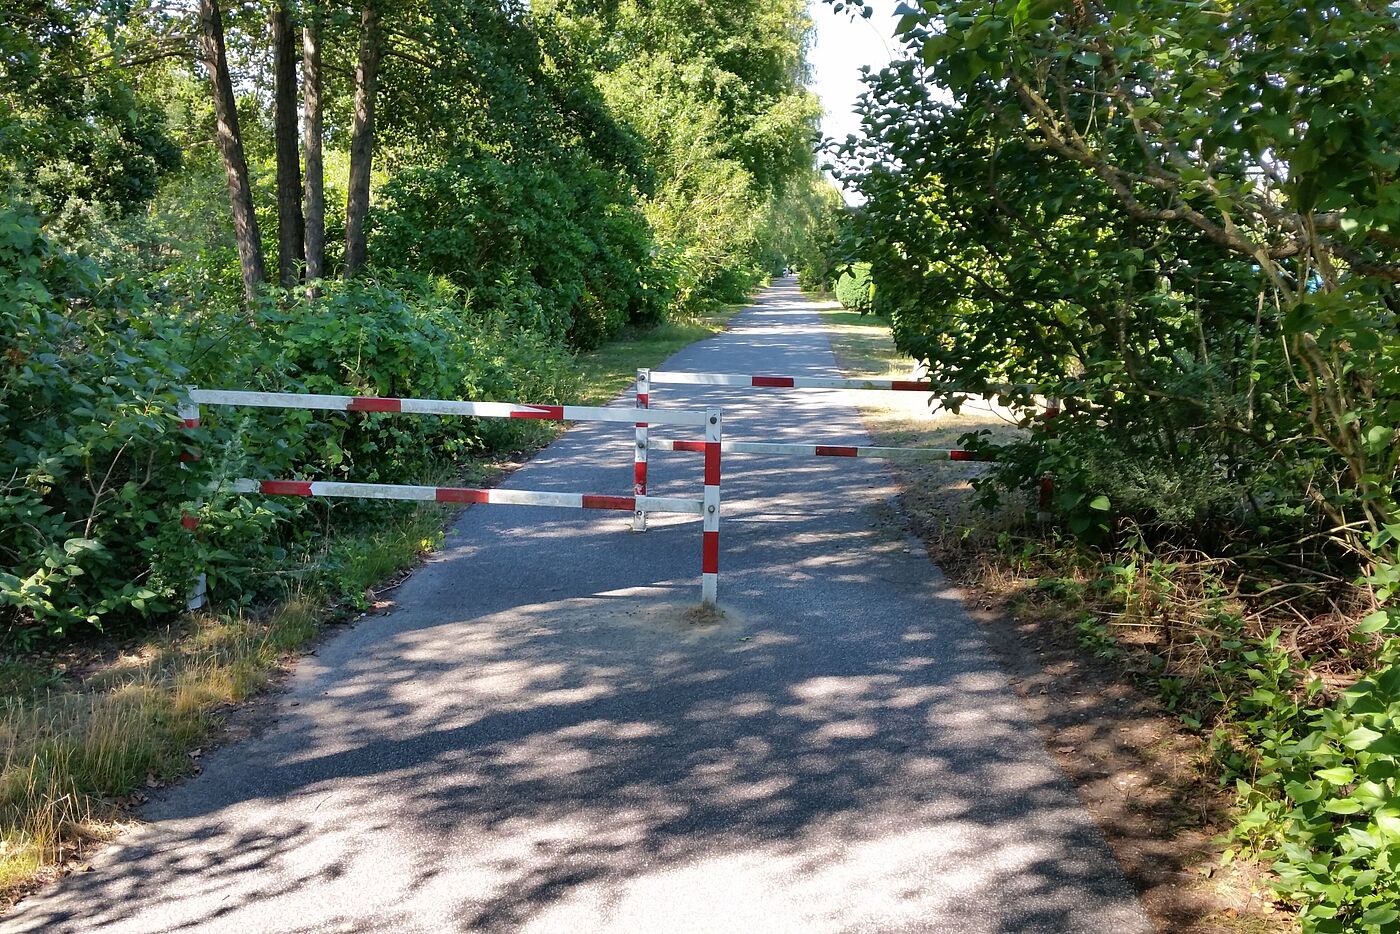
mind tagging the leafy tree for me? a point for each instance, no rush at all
(1182, 219)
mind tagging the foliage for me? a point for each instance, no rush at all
(715, 93)
(1181, 220)
(89, 424)
(854, 290)
(87, 408)
(1228, 303)
(75, 137)
(1317, 785)
(521, 241)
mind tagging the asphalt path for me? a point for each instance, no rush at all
(540, 738)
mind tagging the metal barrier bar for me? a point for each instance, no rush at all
(659, 377)
(913, 455)
(457, 494)
(330, 403)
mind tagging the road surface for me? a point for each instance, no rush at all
(537, 737)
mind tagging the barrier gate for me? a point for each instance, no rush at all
(707, 507)
(647, 378)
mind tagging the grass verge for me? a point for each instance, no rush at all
(86, 732)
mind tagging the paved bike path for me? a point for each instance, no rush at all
(537, 739)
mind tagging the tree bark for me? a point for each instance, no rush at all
(230, 143)
(362, 138)
(291, 227)
(315, 200)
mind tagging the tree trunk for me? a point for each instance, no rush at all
(230, 143)
(291, 228)
(362, 138)
(315, 168)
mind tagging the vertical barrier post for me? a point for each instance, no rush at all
(709, 559)
(189, 420)
(639, 459)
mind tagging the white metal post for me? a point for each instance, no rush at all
(709, 561)
(639, 462)
(189, 420)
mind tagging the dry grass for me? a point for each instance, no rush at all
(79, 749)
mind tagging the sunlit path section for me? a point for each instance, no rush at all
(540, 737)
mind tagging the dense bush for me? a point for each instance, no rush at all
(1123, 207)
(92, 442)
(854, 290)
(92, 476)
(547, 250)
(1316, 784)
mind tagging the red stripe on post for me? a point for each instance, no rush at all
(458, 494)
(779, 382)
(711, 463)
(639, 473)
(286, 487)
(643, 398)
(191, 423)
(546, 412)
(374, 404)
(187, 457)
(709, 553)
(609, 502)
(910, 386)
(188, 521)
(826, 450)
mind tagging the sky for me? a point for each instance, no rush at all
(841, 46)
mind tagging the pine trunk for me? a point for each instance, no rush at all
(315, 200)
(230, 143)
(291, 227)
(362, 138)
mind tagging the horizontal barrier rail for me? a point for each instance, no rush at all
(329, 403)
(823, 382)
(457, 494)
(917, 455)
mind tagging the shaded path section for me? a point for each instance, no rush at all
(536, 739)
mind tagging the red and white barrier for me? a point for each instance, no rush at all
(459, 494)
(639, 455)
(188, 412)
(329, 403)
(708, 507)
(659, 377)
(911, 455)
(647, 379)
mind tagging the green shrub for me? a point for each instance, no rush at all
(854, 289)
(94, 485)
(88, 390)
(559, 253)
(1317, 785)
